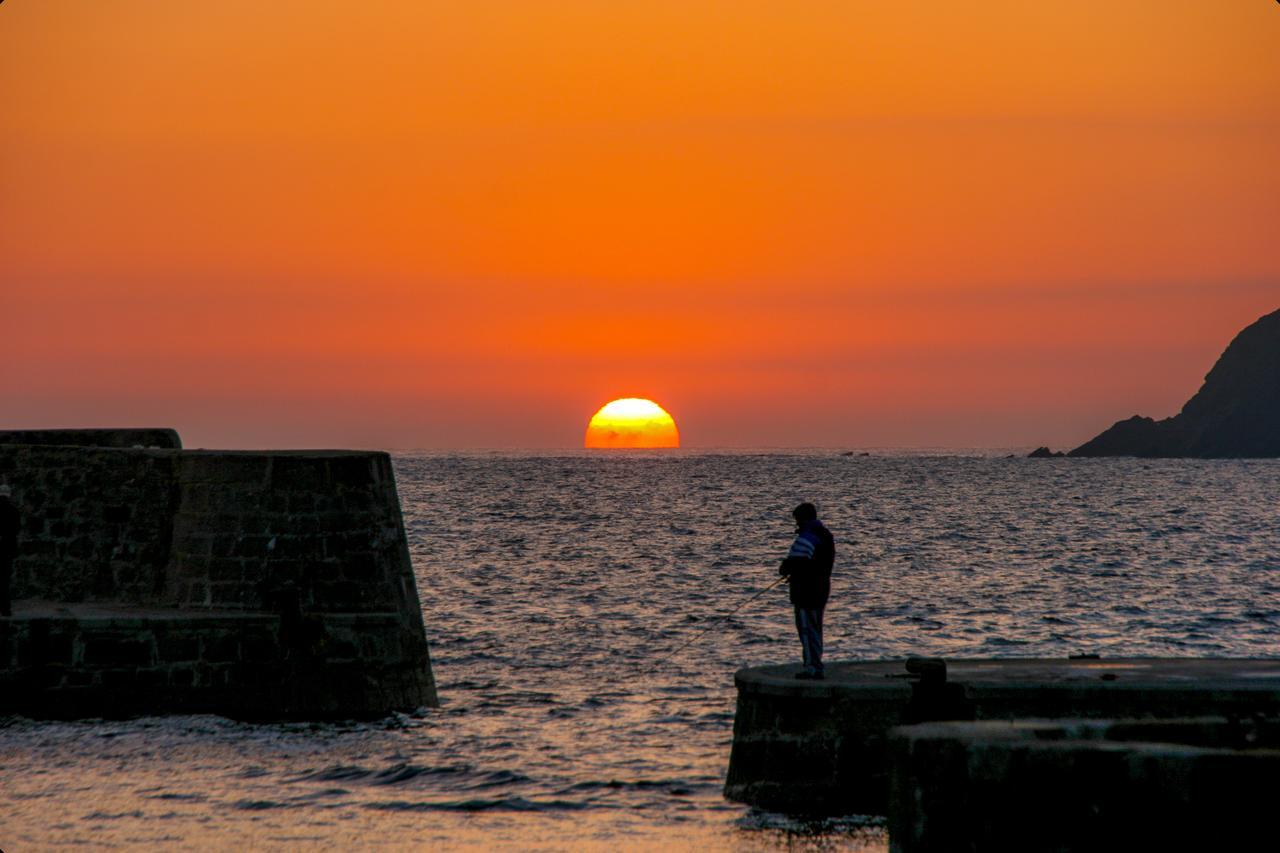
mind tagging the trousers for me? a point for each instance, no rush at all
(809, 627)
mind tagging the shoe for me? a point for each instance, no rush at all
(809, 676)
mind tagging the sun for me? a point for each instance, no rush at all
(632, 422)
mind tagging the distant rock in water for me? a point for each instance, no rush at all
(1044, 453)
(1236, 413)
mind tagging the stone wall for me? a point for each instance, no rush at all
(253, 584)
(243, 665)
(1205, 784)
(821, 747)
(142, 437)
(96, 523)
(327, 525)
(209, 529)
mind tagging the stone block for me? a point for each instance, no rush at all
(259, 546)
(238, 468)
(325, 571)
(362, 567)
(43, 642)
(225, 569)
(351, 471)
(301, 503)
(79, 677)
(299, 547)
(343, 594)
(301, 473)
(86, 438)
(221, 647)
(342, 649)
(152, 677)
(117, 651)
(259, 646)
(197, 546)
(183, 646)
(227, 595)
(119, 678)
(197, 594)
(116, 514)
(358, 501)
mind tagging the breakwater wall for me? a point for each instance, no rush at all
(129, 437)
(256, 584)
(1200, 784)
(822, 747)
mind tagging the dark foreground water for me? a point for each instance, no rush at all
(551, 584)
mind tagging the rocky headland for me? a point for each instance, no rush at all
(1236, 413)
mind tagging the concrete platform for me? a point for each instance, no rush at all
(112, 660)
(1203, 784)
(255, 584)
(821, 747)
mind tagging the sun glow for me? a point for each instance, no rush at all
(632, 422)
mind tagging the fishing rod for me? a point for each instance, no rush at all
(715, 622)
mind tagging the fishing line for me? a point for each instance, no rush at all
(713, 623)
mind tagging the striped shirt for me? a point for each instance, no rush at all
(804, 546)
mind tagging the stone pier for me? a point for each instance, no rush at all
(1026, 786)
(151, 579)
(821, 747)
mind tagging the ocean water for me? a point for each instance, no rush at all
(561, 592)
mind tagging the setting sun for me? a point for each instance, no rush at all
(632, 422)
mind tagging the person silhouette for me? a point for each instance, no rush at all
(9, 522)
(808, 566)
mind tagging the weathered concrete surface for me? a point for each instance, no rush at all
(310, 541)
(1204, 784)
(96, 522)
(86, 660)
(136, 437)
(327, 523)
(821, 747)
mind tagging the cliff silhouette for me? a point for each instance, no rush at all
(1236, 413)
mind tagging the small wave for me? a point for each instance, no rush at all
(676, 787)
(497, 779)
(261, 805)
(324, 792)
(506, 804)
(111, 816)
(336, 773)
(399, 773)
(758, 819)
(172, 796)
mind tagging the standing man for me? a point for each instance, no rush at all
(808, 567)
(8, 547)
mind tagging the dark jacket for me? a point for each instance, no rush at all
(809, 564)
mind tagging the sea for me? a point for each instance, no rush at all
(573, 606)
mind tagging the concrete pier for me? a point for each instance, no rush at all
(1203, 784)
(251, 584)
(821, 747)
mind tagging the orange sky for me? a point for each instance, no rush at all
(417, 224)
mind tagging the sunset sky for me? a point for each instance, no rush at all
(417, 224)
